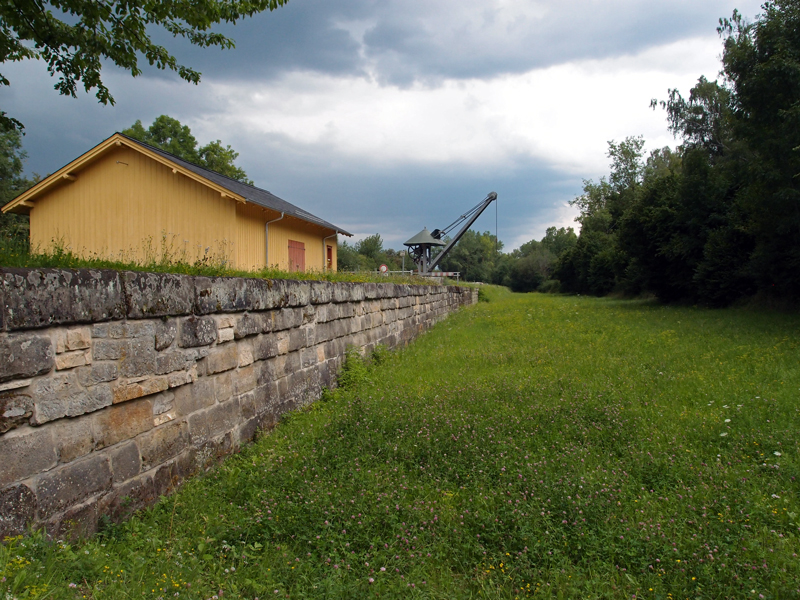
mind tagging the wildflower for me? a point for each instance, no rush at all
(723, 434)
(72, 585)
(777, 453)
(371, 580)
(727, 420)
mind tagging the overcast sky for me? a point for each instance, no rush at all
(384, 116)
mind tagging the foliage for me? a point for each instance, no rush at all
(170, 135)
(75, 38)
(13, 228)
(368, 255)
(474, 256)
(601, 454)
(717, 219)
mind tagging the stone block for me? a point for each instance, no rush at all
(286, 318)
(265, 346)
(138, 357)
(165, 333)
(27, 451)
(72, 484)
(292, 363)
(125, 390)
(270, 370)
(321, 292)
(97, 373)
(223, 294)
(197, 331)
(245, 353)
(191, 398)
(308, 357)
(370, 290)
(223, 387)
(243, 380)
(17, 510)
(158, 294)
(129, 497)
(70, 360)
(36, 298)
(213, 421)
(176, 360)
(103, 349)
(224, 321)
(126, 462)
(122, 422)
(222, 358)
(296, 293)
(25, 355)
(252, 324)
(59, 396)
(179, 378)
(225, 335)
(79, 338)
(73, 438)
(163, 402)
(166, 417)
(77, 522)
(297, 339)
(163, 443)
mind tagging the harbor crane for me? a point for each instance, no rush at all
(420, 246)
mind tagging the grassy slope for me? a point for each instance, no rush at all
(531, 446)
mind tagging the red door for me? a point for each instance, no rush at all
(297, 256)
(330, 257)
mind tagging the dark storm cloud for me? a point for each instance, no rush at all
(402, 42)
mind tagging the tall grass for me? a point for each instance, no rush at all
(530, 446)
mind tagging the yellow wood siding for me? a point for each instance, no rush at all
(250, 220)
(126, 205)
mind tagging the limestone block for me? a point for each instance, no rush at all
(225, 335)
(197, 331)
(163, 443)
(17, 509)
(165, 333)
(70, 360)
(321, 292)
(125, 390)
(222, 358)
(194, 397)
(243, 380)
(176, 360)
(36, 298)
(269, 370)
(252, 324)
(224, 321)
(163, 402)
(97, 373)
(213, 421)
(27, 451)
(297, 339)
(282, 341)
(125, 462)
(129, 497)
(138, 357)
(309, 314)
(308, 357)
(25, 355)
(16, 408)
(72, 483)
(265, 346)
(322, 332)
(73, 437)
(103, 349)
(61, 395)
(245, 353)
(297, 293)
(158, 294)
(122, 422)
(286, 318)
(223, 388)
(179, 378)
(164, 418)
(342, 292)
(292, 363)
(370, 290)
(77, 522)
(223, 294)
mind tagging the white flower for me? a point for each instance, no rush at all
(727, 420)
(777, 453)
(723, 434)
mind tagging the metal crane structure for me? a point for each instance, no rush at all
(420, 245)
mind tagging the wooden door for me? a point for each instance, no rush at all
(297, 256)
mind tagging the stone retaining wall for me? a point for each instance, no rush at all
(116, 386)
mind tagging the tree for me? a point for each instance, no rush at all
(13, 228)
(474, 256)
(170, 135)
(75, 37)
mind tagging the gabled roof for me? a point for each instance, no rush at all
(236, 190)
(424, 237)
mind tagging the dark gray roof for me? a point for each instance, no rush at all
(424, 237)
(248, 192)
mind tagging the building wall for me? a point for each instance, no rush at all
(114, 387)
(312, 236)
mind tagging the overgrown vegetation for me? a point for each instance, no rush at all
(613, 449)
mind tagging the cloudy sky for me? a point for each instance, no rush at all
(384, 116)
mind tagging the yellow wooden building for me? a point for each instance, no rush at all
(128, 200)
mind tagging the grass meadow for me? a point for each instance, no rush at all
(533, 446)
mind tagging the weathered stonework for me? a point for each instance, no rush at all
(116, 386)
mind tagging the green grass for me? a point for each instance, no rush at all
(530, 446)
(167, 258)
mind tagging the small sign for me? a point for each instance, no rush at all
(384, 269)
